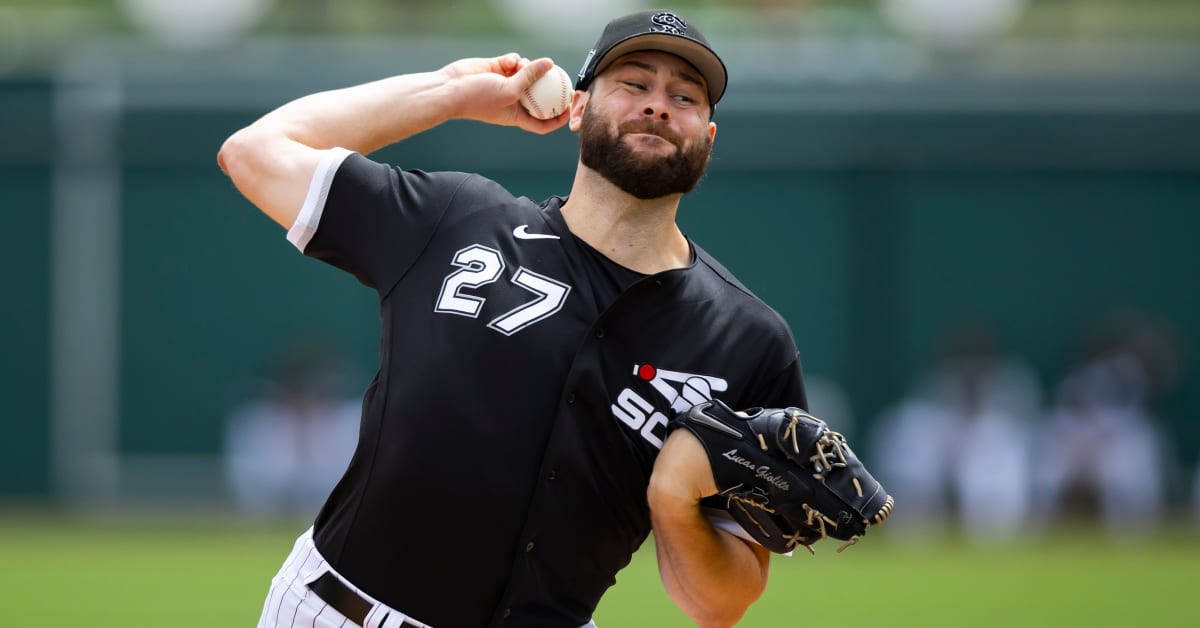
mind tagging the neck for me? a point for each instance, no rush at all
(638, 234)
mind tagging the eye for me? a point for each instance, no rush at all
(635, 85)
(685, 99)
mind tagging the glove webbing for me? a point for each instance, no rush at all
(830, 454)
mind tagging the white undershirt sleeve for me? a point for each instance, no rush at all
(722, 521)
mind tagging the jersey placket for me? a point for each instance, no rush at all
(577, 409)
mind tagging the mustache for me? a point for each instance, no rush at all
(651, 128)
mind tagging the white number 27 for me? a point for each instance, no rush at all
(478, 266)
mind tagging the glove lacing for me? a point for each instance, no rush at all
(830, 454)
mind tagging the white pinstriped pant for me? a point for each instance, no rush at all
(291, 604)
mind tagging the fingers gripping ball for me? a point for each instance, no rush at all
(785, 477)
(549, 96)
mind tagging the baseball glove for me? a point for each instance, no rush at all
(785, 477)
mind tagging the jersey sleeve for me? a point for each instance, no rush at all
(785, 389)
(371, 219)
(775, 379)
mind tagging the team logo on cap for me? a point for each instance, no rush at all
(667, 22)
(587, 63)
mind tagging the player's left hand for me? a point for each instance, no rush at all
(489, 90)
(784, 475)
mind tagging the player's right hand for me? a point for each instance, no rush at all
(489, 90)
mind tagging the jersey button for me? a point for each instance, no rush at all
(507, 612)
(571, 398)
(553, 474)
(529, 547)
(600, 333)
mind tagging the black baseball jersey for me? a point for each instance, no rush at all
(524, 388)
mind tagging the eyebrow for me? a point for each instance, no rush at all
(649, 67)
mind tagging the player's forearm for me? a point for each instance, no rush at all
(366, 117)
(711, 575)
(272, 160)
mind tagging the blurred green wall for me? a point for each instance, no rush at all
(871, 232)
(25, 132)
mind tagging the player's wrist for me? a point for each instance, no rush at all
(669, 496)
(453, 96)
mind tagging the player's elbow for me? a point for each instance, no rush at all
(270, 169)
(729, 605)
(718, 617)
(720, 608)
(237, 155)
(224, 156)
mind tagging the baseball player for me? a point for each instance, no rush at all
(514, 450)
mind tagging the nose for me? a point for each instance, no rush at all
(661, 113)
(656, 106)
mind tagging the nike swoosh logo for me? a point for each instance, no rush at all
(698, 415)
(523, 234)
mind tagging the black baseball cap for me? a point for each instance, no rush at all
(655, 30)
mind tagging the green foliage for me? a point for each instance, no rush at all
(152, 573)
(1103, 18)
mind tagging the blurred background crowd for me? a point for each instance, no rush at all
(976, 446)
(978, 217)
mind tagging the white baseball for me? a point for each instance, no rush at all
(550, 95)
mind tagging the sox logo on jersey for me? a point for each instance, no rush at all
(681, 390)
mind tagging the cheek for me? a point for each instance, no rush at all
(702, 134)
(696, 122)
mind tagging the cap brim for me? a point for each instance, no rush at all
(700, 56)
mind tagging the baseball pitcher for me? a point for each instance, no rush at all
(555, 377)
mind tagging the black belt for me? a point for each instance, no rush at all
(344, 600)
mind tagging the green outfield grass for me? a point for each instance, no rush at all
(173, 573)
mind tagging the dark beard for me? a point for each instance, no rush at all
(637, 175)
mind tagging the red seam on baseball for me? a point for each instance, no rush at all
(566, 97)
(533, 101)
